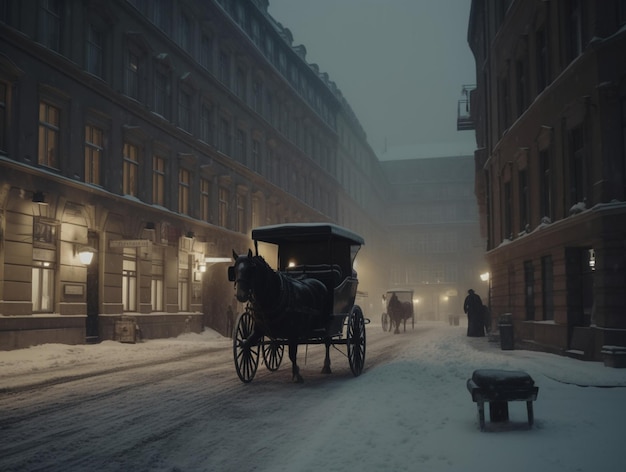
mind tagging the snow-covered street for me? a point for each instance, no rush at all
(177, 405)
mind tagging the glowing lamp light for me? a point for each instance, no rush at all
(484, 276)
(85, 254)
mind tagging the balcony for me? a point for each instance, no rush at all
(464, 120)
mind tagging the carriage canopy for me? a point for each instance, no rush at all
(311, 244)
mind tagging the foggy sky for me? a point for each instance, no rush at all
(399, 63)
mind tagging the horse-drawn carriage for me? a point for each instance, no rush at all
(308, 300)
(398, 309)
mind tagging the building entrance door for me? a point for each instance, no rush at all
(579, 287)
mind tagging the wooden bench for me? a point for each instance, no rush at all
(498, 387)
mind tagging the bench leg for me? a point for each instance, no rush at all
(499, 411)
(481, 415)
(531, 416)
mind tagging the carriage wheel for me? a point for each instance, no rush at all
(384, 320)
(356, 341)
(272, 354)
(246, 356)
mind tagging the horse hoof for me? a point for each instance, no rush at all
(326, 370)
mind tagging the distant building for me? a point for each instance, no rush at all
(549, 111)
(434, 236)
(155, 135)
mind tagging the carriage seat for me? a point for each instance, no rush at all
(329, 274)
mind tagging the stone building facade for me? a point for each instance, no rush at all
(550, 116)
(155, 135)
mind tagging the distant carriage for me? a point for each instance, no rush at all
(398, 309)
(308, 300)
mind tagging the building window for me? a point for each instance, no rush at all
(241, 213)
(529, 290)
(43, 287)
(4, 122)
(130, 169)
(185, 33)
(206, 52)
(522, 87)
(184, 109)
(269, 108)
(574, 28)
(505, 106)
(256, 155)
(257, 96)
(162, 14)
(184, 185)
(49, 123)
(543, 59)
(158, 180)
(131, 77)
(129, 280)
(156, 285)
(240, 146)
(224, 196)
(161, 92)
(183, 281)
(623, 103)
(256, 212)
(577, 174)
(205, 200)
(50, 24)
(524, 201)
(94, 48)
(224, 68)
(621, 12)
(224, 143)
(546, 184)
(206, 124)
(240, 84)
(94, 143)
(547, 290)
(507, 209)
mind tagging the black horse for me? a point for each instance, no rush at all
(283, 307)
(398, 311)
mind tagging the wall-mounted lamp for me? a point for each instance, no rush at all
(202, 266)
(39, 198)
(484, 276)
(84, 253)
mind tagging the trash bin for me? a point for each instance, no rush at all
(507, 340)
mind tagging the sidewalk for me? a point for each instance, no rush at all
(48, 364)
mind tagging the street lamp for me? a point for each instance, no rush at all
(84, 253)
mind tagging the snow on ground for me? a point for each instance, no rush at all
(412, 412)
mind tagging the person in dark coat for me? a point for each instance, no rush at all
(473, 306)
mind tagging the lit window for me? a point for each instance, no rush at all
(49, 122)
(93, 154)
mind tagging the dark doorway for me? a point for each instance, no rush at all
(579, 287)
(92, 334)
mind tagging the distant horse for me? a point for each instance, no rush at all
(281, 306)
(398, 312)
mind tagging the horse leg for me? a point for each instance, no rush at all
(326, 368)
(405, 325)
(295, 370)
(397, 331)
